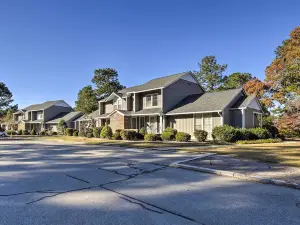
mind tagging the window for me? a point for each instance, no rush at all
(151, 101)
(39, 116)
(133, 123)
(148, 101)
(142, 122)
(154, 100)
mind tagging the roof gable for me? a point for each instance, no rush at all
(46, 105)
(154, 84)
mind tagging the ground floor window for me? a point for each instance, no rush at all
(257, 119)
(133, 123)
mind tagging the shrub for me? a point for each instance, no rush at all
(225, 133)
(128, 134)
(32, 132)
(75, 133)
(183, 137)
(259, 141)
(69, 131)
(245, 134)
(11, 132)
(43, 132)
(169, 129)
(89, 135)
(143, 131)
(167, 136)
(82, 133)
(260, 133)
(25, 132)
(97, 131)
(106, 132)
(200, 135)
(150, 137)
(19, 132)
(117, 135)
(54, 133)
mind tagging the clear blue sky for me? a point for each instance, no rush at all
(49, 49)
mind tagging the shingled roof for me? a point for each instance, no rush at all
(42, 106)
(154, 84)
(207, 102)
(244, 102)
(66, 116)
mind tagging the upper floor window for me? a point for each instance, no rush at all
(151, 100)
(40, 116)
(118, 104)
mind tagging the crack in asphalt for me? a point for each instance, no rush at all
(155, 206)
(28, 192)
(142, 205)
(76, 178)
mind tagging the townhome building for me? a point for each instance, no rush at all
(176, 101)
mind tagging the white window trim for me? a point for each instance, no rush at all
(136, 126)
(151, 106)
(260, 122)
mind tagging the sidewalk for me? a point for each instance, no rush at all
(245, 169)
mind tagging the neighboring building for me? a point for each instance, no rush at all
(177, 101)
(44, 116)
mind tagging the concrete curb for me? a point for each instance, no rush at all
(241, 176)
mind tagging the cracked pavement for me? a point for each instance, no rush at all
(56, 183)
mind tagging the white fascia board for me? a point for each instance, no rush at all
(170, 114)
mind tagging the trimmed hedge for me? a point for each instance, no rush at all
(200, 135)
(97, 131)
(260, 141)
(19, 132)
(143, 131)
(43, 133)
(225, 133)
(69, 131)
(183, 137)
(106, 132)
(150, 137)
(230, 134)
(260, 133)
(32, 132)
(128, 134)
(11, 132)
(117, 135)
(170, 129)
(82, 133)
(75, 133)
(167, 136)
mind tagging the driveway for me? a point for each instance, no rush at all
(50, 183)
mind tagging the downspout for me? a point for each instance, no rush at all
(221, 115)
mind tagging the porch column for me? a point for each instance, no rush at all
(243, 118)
(161, 124)
(261, 118)
(164, 123)
(79, 125)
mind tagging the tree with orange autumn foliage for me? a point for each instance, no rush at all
(259, 88)
(283, 74)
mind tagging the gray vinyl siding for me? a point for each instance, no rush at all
(51, 112)
(249, 116)
(141, 99)
(188, 123)
(108, 107)
(236, 118)
(177, 91)
(226, 111)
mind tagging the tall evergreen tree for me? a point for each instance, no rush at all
(5, 96)
(211, 73)
(106, 81)
(86, 100)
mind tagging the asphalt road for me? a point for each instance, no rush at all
(48, 183)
